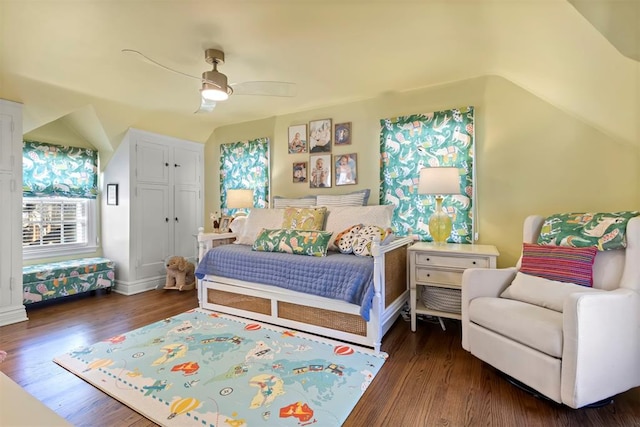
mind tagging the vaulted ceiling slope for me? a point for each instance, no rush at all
(618, 21)
(63, 57)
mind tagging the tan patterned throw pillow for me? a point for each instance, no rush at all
(304, 218)
(364, 240)
(345, 239)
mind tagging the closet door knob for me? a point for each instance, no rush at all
(177, 219)
(166, 164)
(175, 165)
(166, 220)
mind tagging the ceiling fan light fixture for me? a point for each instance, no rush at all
(214, 86)
(212, 93)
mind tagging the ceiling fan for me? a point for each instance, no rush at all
(215, 86)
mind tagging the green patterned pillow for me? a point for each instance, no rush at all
(291, 241)
(304, 218)
(604, 230)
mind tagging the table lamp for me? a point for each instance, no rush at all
(439, 181)
(239, 199)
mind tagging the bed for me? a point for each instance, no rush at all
(362, 320)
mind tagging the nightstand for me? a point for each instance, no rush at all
(214, 239)
(219, 239)
(435, 276)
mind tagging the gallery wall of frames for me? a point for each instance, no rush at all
(325, 167)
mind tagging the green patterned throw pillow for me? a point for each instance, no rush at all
(291, 241)
(604, 230)
(304, 218)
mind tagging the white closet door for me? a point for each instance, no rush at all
(152, 227)
(152, 162)
(6, 242)
(186, 166)
(187, 207)
(5, 142)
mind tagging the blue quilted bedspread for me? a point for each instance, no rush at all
(339, 276)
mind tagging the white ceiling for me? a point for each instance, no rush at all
(63, 59)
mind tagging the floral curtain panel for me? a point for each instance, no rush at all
(56, 171)
(245, 165)
(410, 143)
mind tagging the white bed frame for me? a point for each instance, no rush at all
(314, 314)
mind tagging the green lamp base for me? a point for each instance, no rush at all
(440, 224)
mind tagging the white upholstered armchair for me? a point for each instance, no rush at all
(572, 344)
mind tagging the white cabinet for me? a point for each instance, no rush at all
(160, 207)
(11, 308)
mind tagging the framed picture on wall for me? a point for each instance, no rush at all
(112, 194)
(346, 166)
(299, 172)
(298, 139)
(320, 136)
(342, 134)
(320, 165)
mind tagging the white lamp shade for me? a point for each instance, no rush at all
(442, 180)
(239, 199)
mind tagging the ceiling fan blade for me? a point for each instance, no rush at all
(154, 62)
(206, 106)
(264, 88)
(259, 88)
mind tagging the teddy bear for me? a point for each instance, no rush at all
(180, 274)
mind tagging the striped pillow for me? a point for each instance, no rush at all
(560, 263)
(302, 202)
(357, 198)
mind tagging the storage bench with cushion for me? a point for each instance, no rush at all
(47, 281)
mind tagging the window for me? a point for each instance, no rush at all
(58, 205)
(57, 226)
(410, 143)
(245, 165)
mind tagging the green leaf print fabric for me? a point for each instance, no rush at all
(292, 241)
(604, 230)
(56, 171)
(410, 143)
(245, 165)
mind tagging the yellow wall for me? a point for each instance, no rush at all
(58, 133)
(531, 157)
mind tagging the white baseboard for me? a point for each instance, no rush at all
(13, 314)
(138, 286)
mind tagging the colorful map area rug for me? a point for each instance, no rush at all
(208, 369)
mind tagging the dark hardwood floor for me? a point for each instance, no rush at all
(428, 380)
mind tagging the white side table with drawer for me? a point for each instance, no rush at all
(439, 268)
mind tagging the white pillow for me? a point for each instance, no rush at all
(542, 292)
(257, 220)
(339, 218)
(237, 225)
